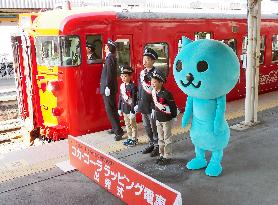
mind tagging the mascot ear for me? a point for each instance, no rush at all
(185, 41)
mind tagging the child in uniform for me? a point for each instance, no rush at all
(145, 102)
(127, 102)
(165, 111)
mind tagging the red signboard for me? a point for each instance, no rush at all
(123, 181)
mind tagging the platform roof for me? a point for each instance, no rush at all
(33, 4)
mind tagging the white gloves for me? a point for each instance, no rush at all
(153, 114)
(131, 116)
(135, 108)
(125, 97)
(120, 112)
(107, 91)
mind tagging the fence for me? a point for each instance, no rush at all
(6, 68)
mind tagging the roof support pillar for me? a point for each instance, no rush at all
(253, 56)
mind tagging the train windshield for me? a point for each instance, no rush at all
(58, 50)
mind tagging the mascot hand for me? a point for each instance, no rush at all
(184, 120)
(120, 112)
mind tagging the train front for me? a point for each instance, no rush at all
(56, 56)
(70, 101)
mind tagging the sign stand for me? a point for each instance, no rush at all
(120, 179)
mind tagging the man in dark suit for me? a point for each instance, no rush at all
(109, 88)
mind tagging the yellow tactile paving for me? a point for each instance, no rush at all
(105, 142)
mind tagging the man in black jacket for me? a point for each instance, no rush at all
(109, 88)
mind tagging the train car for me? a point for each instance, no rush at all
(68, 85)
(25, 75)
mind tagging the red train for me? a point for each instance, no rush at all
(63, 93)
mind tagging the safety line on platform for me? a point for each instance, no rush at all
(35, 182)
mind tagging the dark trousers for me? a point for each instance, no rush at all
(112, 113)
(150, 127)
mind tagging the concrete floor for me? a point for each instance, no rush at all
(249, 174)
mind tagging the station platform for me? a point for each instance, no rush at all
(249, 166)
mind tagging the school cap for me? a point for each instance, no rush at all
(126, 69)
(157, 74)
(151, 53)
(112, 43)
(89, 45)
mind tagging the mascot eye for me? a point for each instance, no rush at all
(179, 65)
(202, 66)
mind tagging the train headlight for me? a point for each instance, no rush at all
(50, 87)
(43, 87)
(57, 111)
(54, 85)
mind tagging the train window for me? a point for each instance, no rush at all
(58, 51)
(262, 48)
(123, 53)
(48, 50)
(162, 50)
(70, 50)
(202, 35)
(275, 48)
(94, 49)
(231, 43)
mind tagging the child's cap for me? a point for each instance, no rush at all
(151, 53)
(157, 74)
(89, 45)
(126, 69)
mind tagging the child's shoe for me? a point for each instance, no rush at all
(158, 159)
(163, 161)
(126, 143)
(132, 143)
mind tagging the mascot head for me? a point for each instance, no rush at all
(206, 69)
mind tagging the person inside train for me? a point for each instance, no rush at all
(91, 53)
(127, 102)
(145, 102)
(109, 88)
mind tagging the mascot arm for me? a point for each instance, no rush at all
(220, 114)
(188, 111)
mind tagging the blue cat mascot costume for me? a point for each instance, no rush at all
(206, 70)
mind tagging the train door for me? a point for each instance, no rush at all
(243, 59)
(93, 58)
(123, 52)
